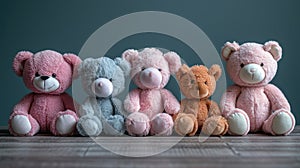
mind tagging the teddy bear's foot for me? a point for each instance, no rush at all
(114, 125)
(89, 125)
(162, 124)
(281, 122)
(186, 124)
(215, 125)
(238, 123)
(23, 125)
(137, 124)
(65, 124)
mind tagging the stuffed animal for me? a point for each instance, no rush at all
(197, 111)
(252, 104)
(102, 79)
(150, 105)
(48, 108)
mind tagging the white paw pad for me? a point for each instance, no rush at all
(282, 123)
(65, 124)
(20, 124)
(237, 124)
(90, 127)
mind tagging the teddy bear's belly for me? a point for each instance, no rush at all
(256, 104)
(44, 108)
(151, 102)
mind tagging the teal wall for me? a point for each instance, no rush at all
(65, 26)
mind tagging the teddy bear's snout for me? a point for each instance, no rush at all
(252, 73)
(151, 78)
(102, 87)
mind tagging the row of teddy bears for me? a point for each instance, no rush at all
(250, 105)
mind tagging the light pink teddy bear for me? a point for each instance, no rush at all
(150, 71)
(47, 108)
(252, 104)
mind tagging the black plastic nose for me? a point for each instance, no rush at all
(44, 77)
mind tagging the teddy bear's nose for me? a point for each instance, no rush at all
(252, 70)
(44, 77)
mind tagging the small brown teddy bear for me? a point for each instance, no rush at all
(197, 111)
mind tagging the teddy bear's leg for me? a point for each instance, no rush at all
(186, 124)
(23, 125)
(281, 122)
(239, 123)
(64, 123)
(161, 124)
(89, 125)
(114, 125)
(215, 125)
(137, 124)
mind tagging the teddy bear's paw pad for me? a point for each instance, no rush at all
(137, 124)
(162, 124)
(65, 124)
(116, 124)
(184, 125)
(89, 127)
(237, 124)
(282, 123)
(20, 124)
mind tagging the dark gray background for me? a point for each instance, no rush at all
(64, 26)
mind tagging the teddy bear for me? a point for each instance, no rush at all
(197, 111)
(150, 105)
(48, 107)
(252, 104)
(103, 79)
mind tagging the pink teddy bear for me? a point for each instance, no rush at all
(252, 104)
(150, 71)
(48, 74)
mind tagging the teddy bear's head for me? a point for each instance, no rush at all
(252, 64)
(46, 71)
(150, 68)
(198, 82)
(103, 77)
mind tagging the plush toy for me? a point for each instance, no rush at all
(48, 108)
(102, 79)
(150, 71)
(252, 104)
(197, 84)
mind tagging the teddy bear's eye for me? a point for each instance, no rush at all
(205, 82)
(37, 74)
(242, 65)
(159, 69)
(110, 79)
(262, 64)
(143, 68)
(54, 75)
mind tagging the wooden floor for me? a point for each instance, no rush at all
(254, 150)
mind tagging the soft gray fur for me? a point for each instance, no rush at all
(105, 114)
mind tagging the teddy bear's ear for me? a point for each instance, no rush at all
(173, 60)
(19, 61)
(184, 69)
(228, 49)
(74, 61)
(274, 48)
(130, 55)
(215, 70)
(123, 64)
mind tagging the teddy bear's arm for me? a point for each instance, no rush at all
(228, 101)
(68, 102)
(24, 105)
(213, 108)
(171, 105)
(276, 98)
(132, 101)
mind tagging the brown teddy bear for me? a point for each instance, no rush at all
(197, 111)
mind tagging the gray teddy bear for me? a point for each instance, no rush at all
(102, 79)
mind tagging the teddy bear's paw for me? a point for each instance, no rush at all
(184, 124)
(89, 126)
(162, 124)
(137, 124)
(21, 124)
(65, 124)
(282, 123)
(238, 124)
(215, 125)
(115, 125)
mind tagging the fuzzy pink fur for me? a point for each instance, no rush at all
(258, 102)
(43, 109)
(151, 100)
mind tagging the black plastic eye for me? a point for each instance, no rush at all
(159, 69)
(242, 65)
(110, 79)
(37, 74)
(262, 64)
(143, 68)
(205, 82)
(54, 75)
